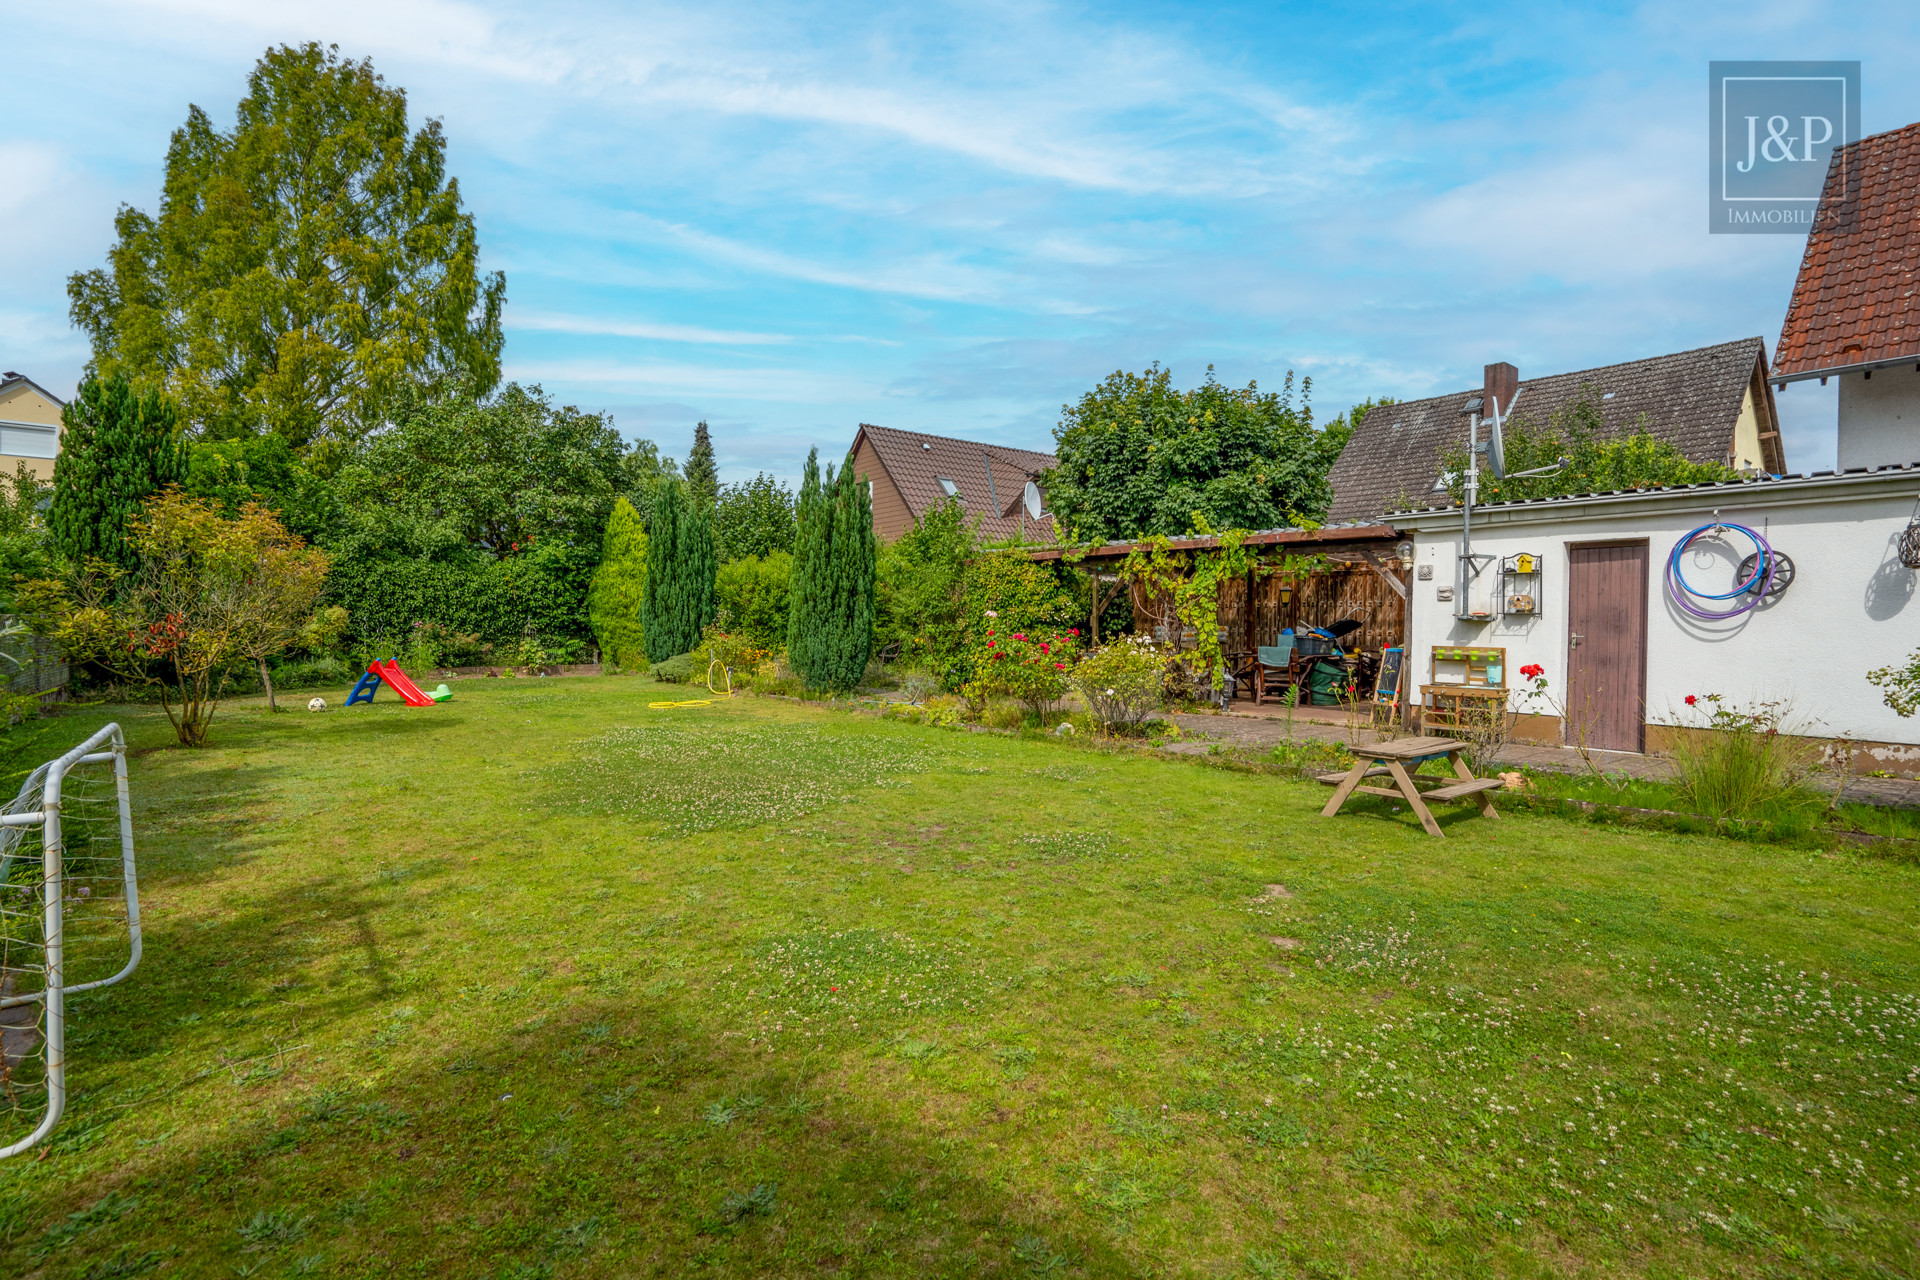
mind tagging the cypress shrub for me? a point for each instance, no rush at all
(831, 600)
(677, 601)
(807, 583)
(619, 585)
(116, 450)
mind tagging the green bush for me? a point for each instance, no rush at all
(752, 593)
(619, 585)
(543, 591)
(678, 669)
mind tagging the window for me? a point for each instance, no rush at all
(949, 488)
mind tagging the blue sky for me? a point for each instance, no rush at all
(788, 219)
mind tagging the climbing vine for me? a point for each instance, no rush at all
(1183, 586)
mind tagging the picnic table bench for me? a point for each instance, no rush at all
(1397, 759)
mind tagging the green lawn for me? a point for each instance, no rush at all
(545, 981)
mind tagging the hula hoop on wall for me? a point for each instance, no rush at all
(1755, 586)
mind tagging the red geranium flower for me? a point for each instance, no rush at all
(1059, 666)
(1018, 636)
(1691, 699)
(989, 633)
(1046, 648)
(1074, 631)
(991, 643)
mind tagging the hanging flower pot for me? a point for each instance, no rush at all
(1910, 540)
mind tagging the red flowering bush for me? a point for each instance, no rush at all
(1030, 667)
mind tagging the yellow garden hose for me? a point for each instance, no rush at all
(726, 675)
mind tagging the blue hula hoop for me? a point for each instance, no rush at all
(1763, 567)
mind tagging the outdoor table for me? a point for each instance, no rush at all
(1393, 759)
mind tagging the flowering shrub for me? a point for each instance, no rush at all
(1027, 666)
(1122, 682)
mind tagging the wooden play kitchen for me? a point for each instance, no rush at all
(1397, 760)
(1468, 689)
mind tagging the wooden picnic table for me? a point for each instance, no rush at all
(1392, 759)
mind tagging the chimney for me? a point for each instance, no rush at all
(1502, 384)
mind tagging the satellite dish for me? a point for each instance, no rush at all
(1033, 501)
(1496, 452)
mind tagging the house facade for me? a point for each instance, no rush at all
(29, 425)
(911, 473)
(1621, 653)
(1714, 404)
(1854, 314)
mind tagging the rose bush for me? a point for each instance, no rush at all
(1031, 667)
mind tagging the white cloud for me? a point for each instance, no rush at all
(553, 322)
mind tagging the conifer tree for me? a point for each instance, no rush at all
(117, 449)
(699, 564)
(807, 588)
(703, 480)
(659, 600)
(618, 589)
(677, 601)
(831, 599)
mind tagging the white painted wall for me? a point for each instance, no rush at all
(1880, 418)
(1852, 606)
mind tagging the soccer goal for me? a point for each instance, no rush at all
(69, 921)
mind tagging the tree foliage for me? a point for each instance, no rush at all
(118, 448)
(304, 269)
(452, 478)
(753, 518)
(1139, 458)
(264, 470)
(208, 590)
(751, 596)
(677, 601)
(831, 599)
(703, 478)
(26, 547)
(1597, 462)
(619, 589)
(920, 589)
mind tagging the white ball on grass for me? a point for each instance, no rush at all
(318, 704)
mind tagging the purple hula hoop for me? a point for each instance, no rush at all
(1763, 575)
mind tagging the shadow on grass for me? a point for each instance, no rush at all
(607, 1137)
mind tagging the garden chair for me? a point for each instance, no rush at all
(1277, 670)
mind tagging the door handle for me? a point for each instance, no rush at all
(1576, 638)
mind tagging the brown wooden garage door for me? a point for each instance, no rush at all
(1607, 646)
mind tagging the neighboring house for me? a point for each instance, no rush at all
(29, 425)
(1714, 404)
(911, 474)
(1854, 314)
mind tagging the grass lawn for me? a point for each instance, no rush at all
(544, 982)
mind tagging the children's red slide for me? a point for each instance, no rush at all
(409, 692)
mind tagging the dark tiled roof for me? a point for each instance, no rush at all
(9, 379)
(1855, 300)
(1691, 398)
(918, 462)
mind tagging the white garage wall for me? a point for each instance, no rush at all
(1851, 608)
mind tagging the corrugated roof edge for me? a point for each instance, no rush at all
(1355, 531)
(1792, 478)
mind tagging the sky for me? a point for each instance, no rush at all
(788, 219)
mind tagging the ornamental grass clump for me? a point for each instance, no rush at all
(1029, 667)
(1122, 682)
(1744, 762)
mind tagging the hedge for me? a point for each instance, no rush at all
(544, 592)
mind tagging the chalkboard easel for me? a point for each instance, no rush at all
(1386, 690)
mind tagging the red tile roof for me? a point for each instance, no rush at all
(1855, 301)
(917, 463)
